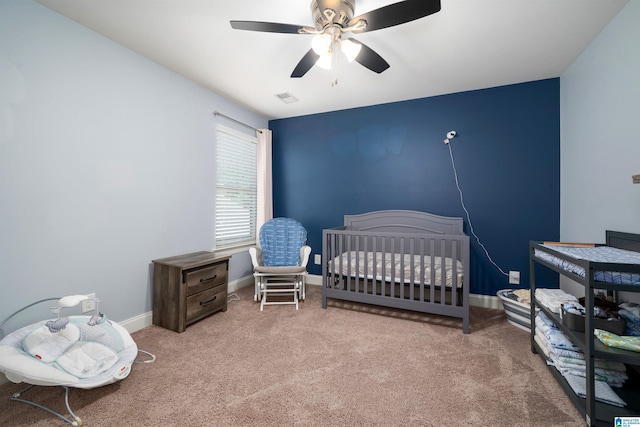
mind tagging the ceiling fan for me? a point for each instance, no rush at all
(333, 19)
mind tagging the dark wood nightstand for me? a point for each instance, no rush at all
(189, 287)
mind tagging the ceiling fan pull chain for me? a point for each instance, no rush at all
(335, 53)
(335, 48)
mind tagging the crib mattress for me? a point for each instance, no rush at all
(604, 254)
(397, 268)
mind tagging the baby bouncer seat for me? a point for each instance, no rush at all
(75, 351)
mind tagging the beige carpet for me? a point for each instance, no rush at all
(349, 365)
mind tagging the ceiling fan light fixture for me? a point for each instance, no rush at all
(321, 43)
(350, 49)
(325, 60)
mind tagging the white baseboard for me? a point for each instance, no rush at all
(138, 322)
(314, 279)
(240, 283)
(146, 319)
(485, 301)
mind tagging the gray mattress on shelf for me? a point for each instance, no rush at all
(600, 254)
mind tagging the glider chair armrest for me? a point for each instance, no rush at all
(305, 252)
(256, 256)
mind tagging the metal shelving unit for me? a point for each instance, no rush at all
(596, 413)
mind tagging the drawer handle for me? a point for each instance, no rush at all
(208, 301)
(208, 278)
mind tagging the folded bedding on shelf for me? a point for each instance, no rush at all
(555, 338)
(613, 377)
(568, 359)
(595, 254)
(604, 365)
(396, 267)
(554, 298)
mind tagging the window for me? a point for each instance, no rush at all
(236, 188)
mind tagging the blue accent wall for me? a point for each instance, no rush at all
(392, 156)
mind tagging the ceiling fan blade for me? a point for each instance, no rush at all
(396, 14)
(305, 64)
(268, 27)
(369, 58)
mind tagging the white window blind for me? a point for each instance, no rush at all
(236, 188)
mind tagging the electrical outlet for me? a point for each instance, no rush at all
(89, 304)
(514, 277)
(318, 259)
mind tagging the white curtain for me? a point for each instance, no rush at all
(265, 196)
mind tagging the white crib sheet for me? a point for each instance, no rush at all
(393, 264)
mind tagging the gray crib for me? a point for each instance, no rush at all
(398, 258)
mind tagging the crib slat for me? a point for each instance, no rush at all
(383, 265)
(401, 278)
(454, 272)
(432, 272)
(365, 278)
(422, 283)
(331, 258)
(356, 277)
(340, 252)
(443, 273)
(349, 249)
(392, 287)
(374, 287)
(412, 271)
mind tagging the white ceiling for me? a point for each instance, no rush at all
(469, 44)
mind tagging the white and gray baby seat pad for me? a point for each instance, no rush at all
(76, 351)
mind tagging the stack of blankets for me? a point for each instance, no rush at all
(568, 358)
(553, 299)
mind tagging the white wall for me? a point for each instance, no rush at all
(106, 162)
(600, 134)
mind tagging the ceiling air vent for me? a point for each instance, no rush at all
(286, 97)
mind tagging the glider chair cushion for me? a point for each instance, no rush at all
(280, 263)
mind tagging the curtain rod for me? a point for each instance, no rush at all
(217, 113)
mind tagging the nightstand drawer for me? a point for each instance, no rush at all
(206, 302)
(205, 278)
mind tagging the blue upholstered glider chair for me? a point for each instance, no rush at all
(280, 263)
